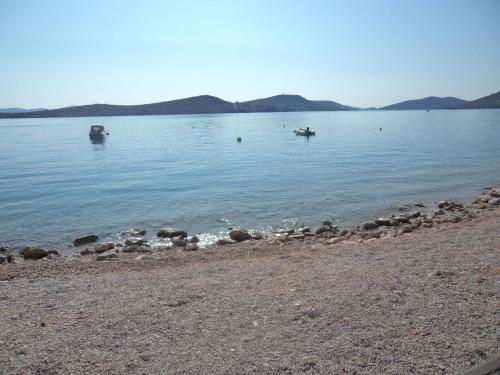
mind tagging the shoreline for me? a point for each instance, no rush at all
(168, 239)
(422, 302)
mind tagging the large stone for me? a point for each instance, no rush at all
(240, 235)
(103, 247)
(442, 204)
(402, 219)
(383, 221)
(494, 201)
(194, 239)
(138, 232)
(85, 240)
(324, 228)
(179, 242)
(135, 241)
(495, 193)
(328, 223)
(34, 253)
(137, 249)
(414, 215)
(106, 256)
(171, 232)
(369, 226)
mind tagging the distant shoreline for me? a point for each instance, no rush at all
(206, 104)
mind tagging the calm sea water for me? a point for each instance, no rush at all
(156, 171)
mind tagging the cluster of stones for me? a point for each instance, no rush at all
(384, 227)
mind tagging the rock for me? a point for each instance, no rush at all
(135, 241)
(328, 223)
(495, 193)
(194, 239)
(402, 219)
(240, 235)
(191, 247)
(324, 228)
(225, 241)
(483, 199)
(394, 223)
(138, 232)
(494, 201)
(54, 252)
(419, 204)
(383, 221)
(257, 236)
(370, 234)
(171, 232)
(85, 240)
(414, 215)
(179, 242)
(407, 229)
(305, 229)
(3, 258)
(4, 249)
(86, 252)
(10, 257)
(298, 236)
(442, 204)
(427, 225)
(403, 208)
(137, 249)
(34, 253)
(106, 256)
(344, 233)
(103, 247)
(369, 226)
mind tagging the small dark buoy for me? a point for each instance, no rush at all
(283, 125)
(238, 139)
(380, 129)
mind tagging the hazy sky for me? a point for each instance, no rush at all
(361, 53)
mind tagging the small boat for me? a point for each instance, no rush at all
(304, 132)
(97, 132)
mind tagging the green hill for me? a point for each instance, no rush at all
(490, 101)
(431, 102)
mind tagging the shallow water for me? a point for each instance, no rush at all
(155, 171)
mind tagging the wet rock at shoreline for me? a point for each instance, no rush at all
(137, 249)
(85, 240)
(137, 232)
(106, 256)
(419, 204)
(369, 226)
(402, 219)
(442, 204)
(136, 241)
(171, 232)
(101, 248)
(325, 228)
(414, 215)
(194, 239)
(297, 236)
(494, 193)
(494, 201)
(394, 222)
(328, 223)
(240, 235)
(179, 242)
(33, 253)
(257, 236)
(86, 251)
(305, 229)
(383, 221)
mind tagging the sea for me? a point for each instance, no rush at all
(190, 172)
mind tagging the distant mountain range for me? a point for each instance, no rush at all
(210, 104)
(20, 110)
(431, 102)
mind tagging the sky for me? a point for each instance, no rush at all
(57, 53)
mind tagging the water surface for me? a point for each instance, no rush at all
(188, 171)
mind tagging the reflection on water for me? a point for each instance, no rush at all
(98, 140)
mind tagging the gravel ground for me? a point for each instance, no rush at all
(422, 303)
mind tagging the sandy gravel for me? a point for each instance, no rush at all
(422, 303)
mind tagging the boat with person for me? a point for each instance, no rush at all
(305, 132)
(97, 132)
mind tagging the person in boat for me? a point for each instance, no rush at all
(307, 131)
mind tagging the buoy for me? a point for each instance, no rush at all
(238, 139)
(380, 129)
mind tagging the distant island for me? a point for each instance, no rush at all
(206, 104)
(20, 110)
